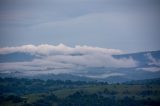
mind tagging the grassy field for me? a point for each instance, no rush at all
(118, 91)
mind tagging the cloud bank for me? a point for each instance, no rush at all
(153, 64)
(46, 49)
(63, 59)
(153, 61)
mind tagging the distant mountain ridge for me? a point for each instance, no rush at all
(16, 57)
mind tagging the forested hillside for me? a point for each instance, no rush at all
(34, 92)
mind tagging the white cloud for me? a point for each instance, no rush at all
(105, 75)
(153, 61)
(150, 69)
(63, 59)
(46, 49)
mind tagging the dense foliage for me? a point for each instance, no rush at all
(35, 92)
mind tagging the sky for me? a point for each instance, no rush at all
(128, 25)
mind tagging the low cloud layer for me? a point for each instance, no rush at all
(150, 69)
(153, 63)
(105, 75)
(46, 49)
(63, 59)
